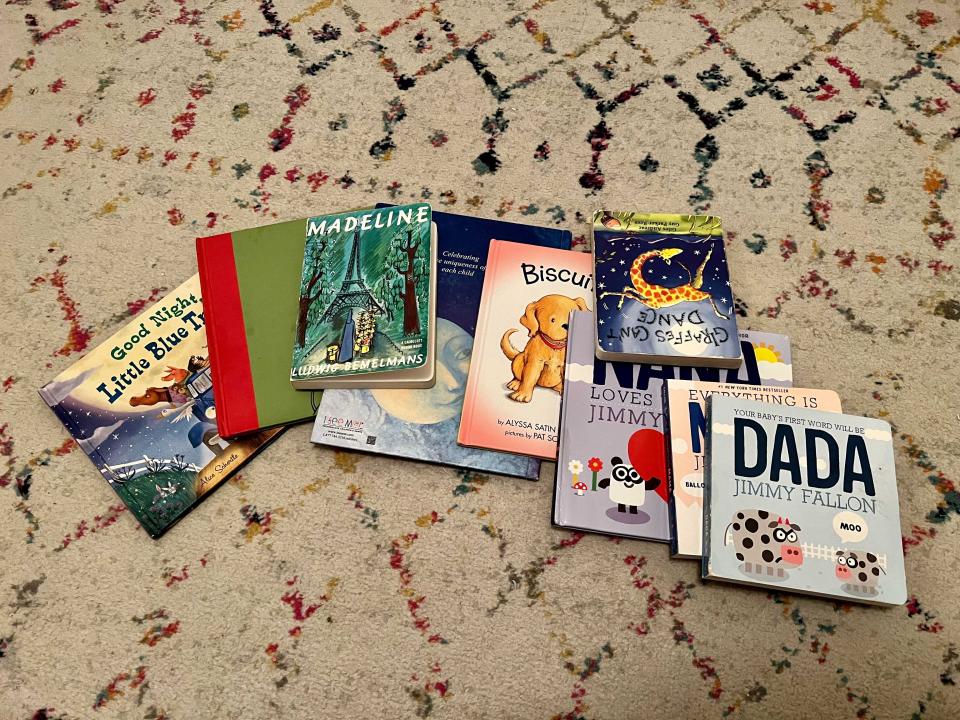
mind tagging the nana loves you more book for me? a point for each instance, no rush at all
(141, 406)
(802, 500)
(613, 422)
(366, 313)
(663, 290)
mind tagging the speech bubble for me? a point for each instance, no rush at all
(850, 527)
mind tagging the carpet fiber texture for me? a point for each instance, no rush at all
(322, 584)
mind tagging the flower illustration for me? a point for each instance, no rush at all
(595, 464)
(575, 466)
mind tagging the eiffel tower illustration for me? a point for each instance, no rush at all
(354, 292)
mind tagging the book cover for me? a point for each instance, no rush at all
(250, 281)
(365, 298)
(613, 422)
(141, 406)
(685, 416)
(512, 402)
(802, 500)
(423, 424)
(663, 290)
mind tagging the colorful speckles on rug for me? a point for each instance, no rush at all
(319, 583)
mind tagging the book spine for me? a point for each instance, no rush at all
(706, 541)
(464, 434)
(668, 464)
(234, 394)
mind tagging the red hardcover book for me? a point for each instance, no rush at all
(250, 281)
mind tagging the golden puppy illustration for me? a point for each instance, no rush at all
(541, 360)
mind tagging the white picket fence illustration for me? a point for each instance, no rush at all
(829, 552)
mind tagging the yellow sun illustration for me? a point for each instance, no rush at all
(766, 353)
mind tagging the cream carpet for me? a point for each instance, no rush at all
(330, 585)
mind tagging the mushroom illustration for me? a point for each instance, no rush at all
(580, 488)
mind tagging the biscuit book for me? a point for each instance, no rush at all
(663, 290)
(802, 500)
(250, 281)
(512, 401)
(422, 424)
(612, 432)
(141, 406)
(366, 311)
(684, 402)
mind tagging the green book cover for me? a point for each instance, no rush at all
(366, 292)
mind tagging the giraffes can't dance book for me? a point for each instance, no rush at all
(663, 290)
(141, 406)
(367, 300)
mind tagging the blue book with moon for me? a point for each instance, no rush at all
(663, 290)
(422, 424)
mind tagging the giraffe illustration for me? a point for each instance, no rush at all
(658, 296)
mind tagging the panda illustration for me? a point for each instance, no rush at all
(627, 489)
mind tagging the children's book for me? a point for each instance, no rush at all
(422, 424)
(141, 406)
(802, 500)
(367, 308)
(684, 403)
(250, 281)
(663, 290)
(612, 432)
(513, 393)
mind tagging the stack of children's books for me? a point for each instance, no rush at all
(491, 346)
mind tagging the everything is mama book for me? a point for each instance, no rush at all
(366, 314)
(684, 402)
(141, 407)
(802, 500)
(612, 433)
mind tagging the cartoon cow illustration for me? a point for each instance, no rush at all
(859, 571)
(765, 545)
(625, 486)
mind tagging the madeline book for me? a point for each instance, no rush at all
(663, 290)
(684, 402)
(512, 401)
(802, 500)
(141, 406)
(611, 470)
(422, 424)
(366, 312)
(250, 281)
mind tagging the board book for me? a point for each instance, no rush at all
(422, 424)
(250, 280)
(684, 403)
(802, 500)
(141, 406)
(663, 290)
(613, 422)
(512, 401)
(366, 309)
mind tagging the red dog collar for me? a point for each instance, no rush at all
(551, 343)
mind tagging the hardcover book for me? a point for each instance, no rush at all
(663, 290)
(612, 432)
(684, 402)
(250, 280)
(512, 402)
(141, 406)
(802, 500)
(367, 313)
(422, 424)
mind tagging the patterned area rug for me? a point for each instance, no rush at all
(321, 583)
